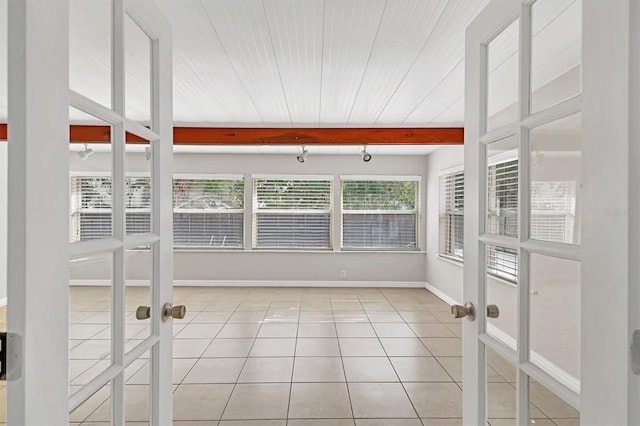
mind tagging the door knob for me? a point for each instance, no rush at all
(493, 311)
(459, 311)
(177, 312)
(143, 312)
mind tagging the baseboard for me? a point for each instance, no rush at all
(3, 301)
(259, 283)
(443, 296)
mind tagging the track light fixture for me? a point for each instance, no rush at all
(86, 153)
(366, 157)
(302, 157)
(147, 153)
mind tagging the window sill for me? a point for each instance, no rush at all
(325, 251)
(452, 260)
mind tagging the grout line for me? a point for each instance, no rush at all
(344, 371)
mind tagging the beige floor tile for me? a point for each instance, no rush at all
(181, 367)
(199, 331)
(252, 423)
(208, 317)
(228, 348)
(319, 400)
(266, 370)
(436, 399)
(85, 331)
(190, 348)
(316, 316)
(278, 330)
(195, 423)
(200, 402)
(550, 404)
(422, 329)
(444, 315)
(239, 331)
(258, 401)
(317, 347)
(350, 317)
(453, 366)
(404, 346)
(446, 422)
(91, 349)
(380, 400)
(321, 422)
(418, 316)
(136, 406)
(317, 330)
(419, 369)
(273, 347)
(456, 328)
(369, 369)
(384, 316)
(388, 422)
(355, 330)
(90, 405)
(443, 346)
(356, 346)
(215, 370)
(393, 330)
(247, 317)
(318, 369)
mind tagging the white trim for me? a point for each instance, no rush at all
(274, 176)
(451, 170)
(390, 178)
(440, 294)
(258, 283)
(208, 176)
(3, 301)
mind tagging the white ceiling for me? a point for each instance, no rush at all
(315, 63)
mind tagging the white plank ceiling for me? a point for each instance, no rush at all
(302, 63)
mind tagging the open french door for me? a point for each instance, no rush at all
(44, 312)
(548, 223)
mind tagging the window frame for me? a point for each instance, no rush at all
(255, 210)
(383, 178)
(442, 211)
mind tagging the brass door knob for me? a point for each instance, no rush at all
(143, 312)
(493, 311)
(459, 311)
(177, 312)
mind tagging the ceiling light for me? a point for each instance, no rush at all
(86, 153)
(302, 157)
(147, 152)
(366, 157)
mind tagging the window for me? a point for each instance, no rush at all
(91, 206)
(502, 182)
(451, 223)
(208, 212)
(292, 212)
(553, 207)
(380, 213)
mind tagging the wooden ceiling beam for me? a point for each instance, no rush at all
(282, 136)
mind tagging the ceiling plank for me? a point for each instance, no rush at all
(282, 136)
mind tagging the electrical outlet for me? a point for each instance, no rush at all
(343, 274)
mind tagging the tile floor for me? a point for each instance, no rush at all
(297, 357)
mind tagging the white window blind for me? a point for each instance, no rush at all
(502, 202)
(553, 207)
(208, 212)
(380, 214)
(91, 207)
(451, 221)
(292, 212)
(502, 262)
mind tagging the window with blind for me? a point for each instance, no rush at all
(502, 202)
(91, 216)
(451, 218)
(553, 208)
(292, 212)
(380, 213)
(208, 212)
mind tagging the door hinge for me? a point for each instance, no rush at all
(635, 352)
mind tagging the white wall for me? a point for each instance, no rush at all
(444, 275)
(3, 219)
(280, 266)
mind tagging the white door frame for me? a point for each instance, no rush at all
(38, 271)
(610, 215)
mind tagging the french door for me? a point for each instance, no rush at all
(116, 330)
(547, 222)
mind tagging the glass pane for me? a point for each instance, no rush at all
(90, 49)
(501, 282)
(90, 196)
(88, 409)
(501, 390)
(555, 181)
(136, 394)
(138, 270)
(137, 73)
(555, 347)
(138, 154)
(502, 78)
(89, 317)
(549, 408)
(502, 187)
(556, 57)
